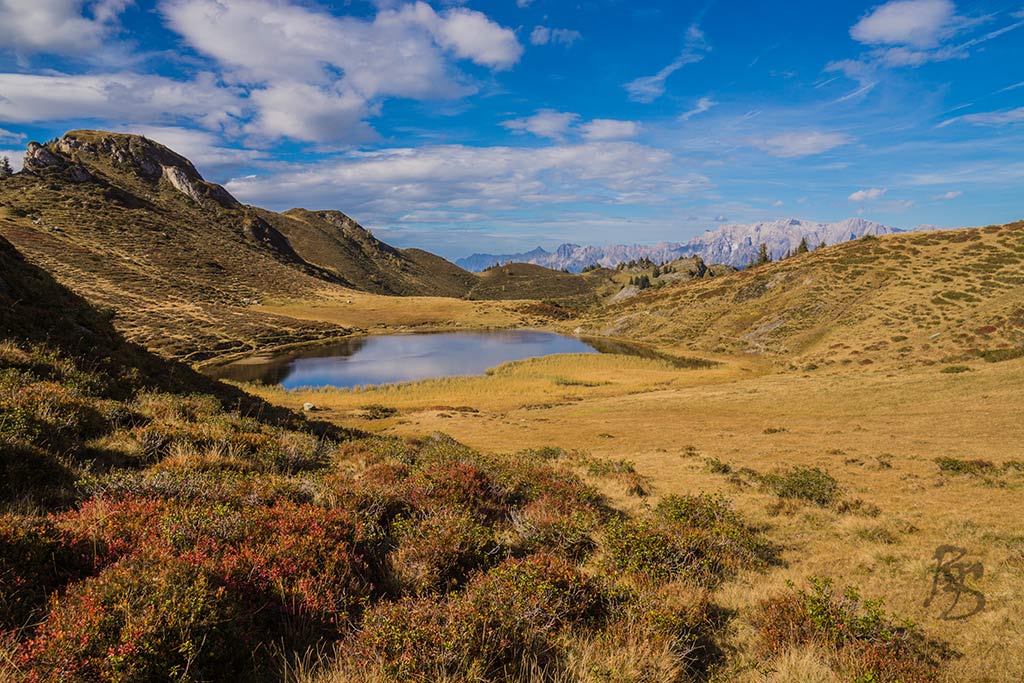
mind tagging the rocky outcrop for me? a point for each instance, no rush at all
(84, 154)
(41, 159)
(180, 181)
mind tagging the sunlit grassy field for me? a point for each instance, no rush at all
(879, 434)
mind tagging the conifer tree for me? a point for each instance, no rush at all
(5, 168)
(763, 256)
(802, 248)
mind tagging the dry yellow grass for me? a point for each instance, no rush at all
(361, 311)
(877, 432)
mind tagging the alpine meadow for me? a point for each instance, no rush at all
(647, 342)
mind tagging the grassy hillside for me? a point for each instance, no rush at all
(921, 297)
(339, 245)
(180, 271)
(150, 532)
(528, 281)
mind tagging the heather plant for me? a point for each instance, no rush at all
(438, 549)
(861, 639)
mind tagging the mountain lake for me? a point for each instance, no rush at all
(385, 359)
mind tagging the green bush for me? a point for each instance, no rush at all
(865, 642)
(810, 484)
(963, 466)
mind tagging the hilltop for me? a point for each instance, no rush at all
(732, 245)
(917, 297)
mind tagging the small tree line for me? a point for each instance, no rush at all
(6, 170)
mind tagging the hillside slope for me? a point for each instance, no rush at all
(920, 297)
(133, 227)
(528, 281)
(337, 244)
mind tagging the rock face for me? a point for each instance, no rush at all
(84, 154)
(41, 159)
(732, 245)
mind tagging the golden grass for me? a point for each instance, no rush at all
(877, 432)
(358, 310)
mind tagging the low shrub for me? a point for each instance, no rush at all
(36, 560)
(146, 619)
(506, 616)
(376, 411)
(553, 525)
(964, 466)
(810, 484)
(862, 640)
(438, 549)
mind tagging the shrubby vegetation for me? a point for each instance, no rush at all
(864, 643)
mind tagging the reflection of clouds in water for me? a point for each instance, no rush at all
(401, 358)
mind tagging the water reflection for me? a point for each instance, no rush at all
(398, 358)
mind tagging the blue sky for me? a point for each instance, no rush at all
(501, 125)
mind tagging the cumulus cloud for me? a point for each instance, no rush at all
(868, 195)
(649, 88)
(546, 123)
(911, 33)
(27, 98)
(384, 185)
(919, 23)
(316, 76)
(802, 143)
(542, 35)
(610, 129)
(65, 27)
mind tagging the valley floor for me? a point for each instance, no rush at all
(878, 432)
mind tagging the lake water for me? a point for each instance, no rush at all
(402, 358)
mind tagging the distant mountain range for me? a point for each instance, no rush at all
(733, 245)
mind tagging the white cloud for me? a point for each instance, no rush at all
(948, 195)
(390, 183)
(649, 88)
(542, 35)
(802, 143)
(399, 52)
(57, 26)
(471, 35)
(610, 129)
(919, 23)
(991, 119)
(316, 76)
(703, 105)
(910, 33)
(546, 123)
(27, 98)
(307, 112)
(777, 203)
(867, 195)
